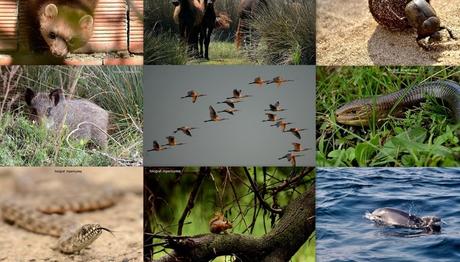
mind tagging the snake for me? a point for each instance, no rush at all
(40, 202)
(359, 112)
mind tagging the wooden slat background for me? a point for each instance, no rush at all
(136, 27)
(110, 27)
(8, 22)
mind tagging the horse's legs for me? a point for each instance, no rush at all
(207, 41)
(202, 38)
(193, 40)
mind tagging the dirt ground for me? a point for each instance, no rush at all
(125, 219)
(347, 34)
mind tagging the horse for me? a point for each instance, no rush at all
(246, 10)
(211, 21)
(188, 14)
(207, 26)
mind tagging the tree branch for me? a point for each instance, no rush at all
(292, 230)
(204, 171)
(259, 197)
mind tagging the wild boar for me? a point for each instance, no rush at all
(54, 110)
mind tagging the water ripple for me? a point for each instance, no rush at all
(344, 195)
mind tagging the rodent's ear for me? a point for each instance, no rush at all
(51, 11)
(56, 96)
(28, 96)
(86, 22)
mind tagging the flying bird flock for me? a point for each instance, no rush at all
(230, 109)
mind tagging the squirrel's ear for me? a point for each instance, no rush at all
(56, 96)
(86, 22)
(29, 95)
(51, 11)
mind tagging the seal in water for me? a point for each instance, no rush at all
(398, 218)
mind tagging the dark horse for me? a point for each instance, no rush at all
(207, 26)
(189, 15)
(246, 10)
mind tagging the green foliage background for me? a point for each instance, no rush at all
(216, 194)
(425, 136)
(117, 89)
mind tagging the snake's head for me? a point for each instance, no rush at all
(78, 238)
(355, 113)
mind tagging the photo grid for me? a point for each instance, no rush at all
(229, 130)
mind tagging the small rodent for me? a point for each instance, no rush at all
(219, 223)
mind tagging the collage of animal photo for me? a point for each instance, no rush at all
(229, 130)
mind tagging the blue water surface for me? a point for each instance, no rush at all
(344, 195)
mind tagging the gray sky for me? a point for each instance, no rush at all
(244, 140)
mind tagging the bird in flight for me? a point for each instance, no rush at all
(229, 111)
(258, 81)
(185, 129)
(298, 148)
(214, 117)
(291, 157)
(230, 102)
(276, 107)
(272, 118)
(279, 81)
(172, 142)
(194, 95)
(282, 124)
(238, 94)
(157, 147)
(295, 131)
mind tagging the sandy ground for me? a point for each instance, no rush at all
(125, 219)
(347, 34)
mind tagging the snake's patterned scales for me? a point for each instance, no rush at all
(35, 207)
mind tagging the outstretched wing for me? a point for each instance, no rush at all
(212, 112)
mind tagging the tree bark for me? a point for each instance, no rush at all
(292, 230)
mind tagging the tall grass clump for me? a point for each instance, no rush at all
(284, 32)
(161, 42)
(117, 89)
(164, 49)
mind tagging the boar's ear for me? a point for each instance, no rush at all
(56, 96)
(29, 95)
(51, 11)
(86, 22)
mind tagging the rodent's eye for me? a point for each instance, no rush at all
(72, 41)
(48, 111)
(52, 35)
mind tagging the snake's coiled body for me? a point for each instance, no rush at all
(36, 210)
(360, 112)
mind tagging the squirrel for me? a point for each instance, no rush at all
(219, 223)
